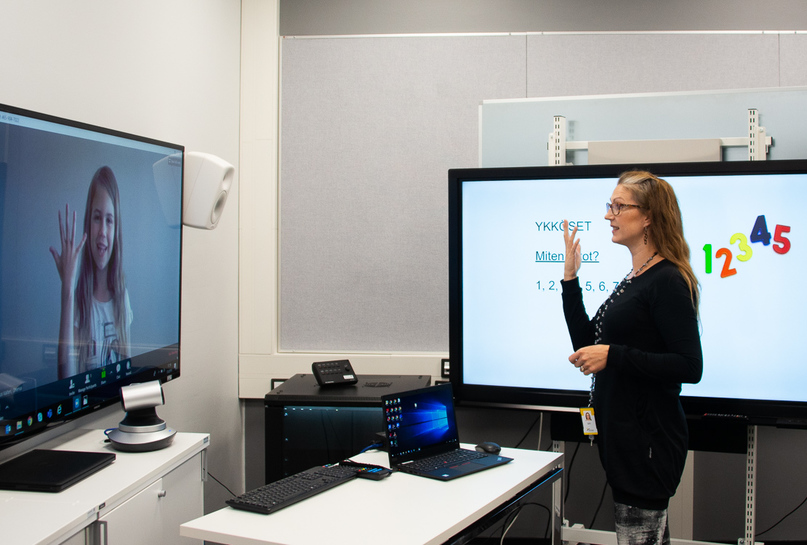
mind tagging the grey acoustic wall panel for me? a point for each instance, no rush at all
(369, 129)
(598, 64)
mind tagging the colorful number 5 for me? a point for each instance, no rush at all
(782, 243)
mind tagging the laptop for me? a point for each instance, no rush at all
(421, 430)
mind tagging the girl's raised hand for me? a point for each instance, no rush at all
(67, 262)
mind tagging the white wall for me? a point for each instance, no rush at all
(168, 70)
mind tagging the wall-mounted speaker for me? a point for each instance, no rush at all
(207, 181)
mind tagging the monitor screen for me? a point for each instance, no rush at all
(304, 436)
(420, 422)
(744, 223)
(90, 267)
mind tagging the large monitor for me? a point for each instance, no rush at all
(745, 223)
(90, 268)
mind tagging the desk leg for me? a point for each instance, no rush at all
(557, 510)
(557, 498)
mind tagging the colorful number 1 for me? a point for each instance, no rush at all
(707, 249)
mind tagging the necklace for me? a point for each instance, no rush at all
(646, 263)
(618, 290)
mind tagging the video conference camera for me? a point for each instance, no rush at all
(141, 429)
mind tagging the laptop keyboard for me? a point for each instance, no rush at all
(448, 459)
(289, 490)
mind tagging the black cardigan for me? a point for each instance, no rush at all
(652, 330)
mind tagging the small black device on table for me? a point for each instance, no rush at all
(334, 373)
(367, 471)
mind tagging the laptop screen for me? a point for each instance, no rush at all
(420, 423)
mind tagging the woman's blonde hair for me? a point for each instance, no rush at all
(666, 230)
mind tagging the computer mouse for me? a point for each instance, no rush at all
(489, 447)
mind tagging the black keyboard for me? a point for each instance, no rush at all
(289, 490)
(448, 459)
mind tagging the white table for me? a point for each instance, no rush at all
(37, 517)
(401, 509)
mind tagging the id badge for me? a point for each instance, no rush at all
(589, 423)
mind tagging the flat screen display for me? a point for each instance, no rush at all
(90, 267)
(745, 225)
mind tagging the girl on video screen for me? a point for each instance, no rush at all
(95, 316)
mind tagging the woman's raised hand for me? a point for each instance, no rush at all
(573, 253)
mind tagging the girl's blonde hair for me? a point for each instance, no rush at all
(102, 180)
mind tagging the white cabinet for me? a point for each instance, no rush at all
(143, 497)
(154, 514)
(78, 539)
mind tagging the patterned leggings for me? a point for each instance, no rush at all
(636, 526)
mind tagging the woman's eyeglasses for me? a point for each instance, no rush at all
(617, 207)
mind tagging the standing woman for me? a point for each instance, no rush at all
(95, 314)
(640, 346)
